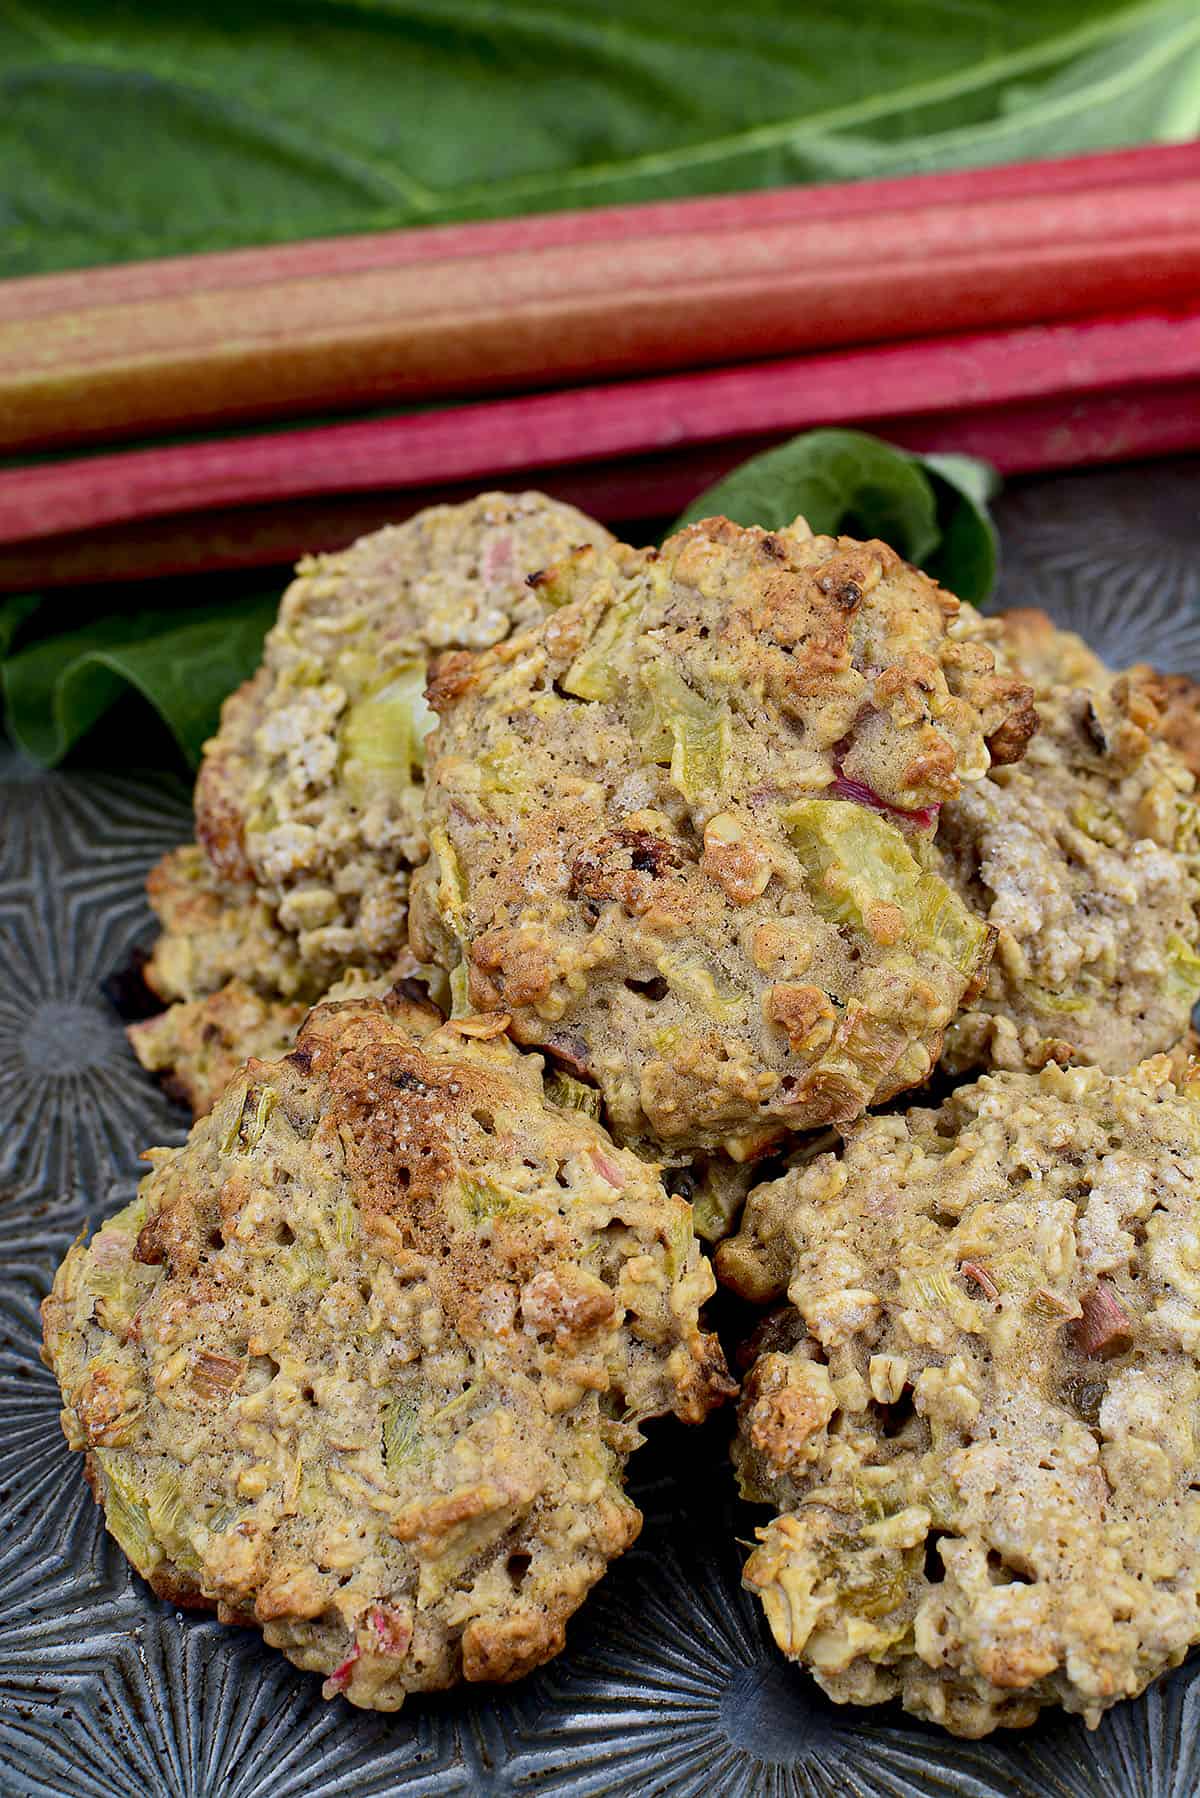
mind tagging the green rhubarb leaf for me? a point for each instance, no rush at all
(131, 130)
(967, 554)
(182, 663)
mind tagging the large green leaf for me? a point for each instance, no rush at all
(182, 663)
(129, 128)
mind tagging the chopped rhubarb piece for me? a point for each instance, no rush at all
(925, 817)
(391, 1629)
(339, 1679)
(572, 1052)
(982, 1279)
(1104, 1328)
(607, 1168)
(110, 1248)
(497, 560)
(1051, 1303)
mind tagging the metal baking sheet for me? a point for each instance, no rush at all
(670, 1684)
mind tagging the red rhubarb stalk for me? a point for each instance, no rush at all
(1037, 435)
(1019, 439)
(499, 439)
(37, 296)
(470, 324)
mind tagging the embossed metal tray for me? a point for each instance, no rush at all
(670, 1684)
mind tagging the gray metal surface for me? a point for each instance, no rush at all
(669, 1684)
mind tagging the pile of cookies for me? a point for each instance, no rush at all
(555, 905)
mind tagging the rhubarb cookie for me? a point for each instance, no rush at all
(680, 830)
(308, 804)
(1085, 860)
(975, 1415)
(363, 1362)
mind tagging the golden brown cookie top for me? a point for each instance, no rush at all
(678, 829)
(365, 1359)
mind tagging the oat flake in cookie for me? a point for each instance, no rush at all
(976, 1414)
(1086, 860)
(363, 1362)
(680, 830)
(308, 804)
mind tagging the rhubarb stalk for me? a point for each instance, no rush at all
(950, 379)
(1020, 439)
(37, 296)
(548, 315)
